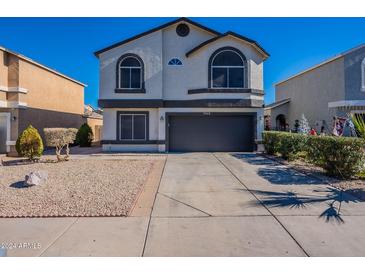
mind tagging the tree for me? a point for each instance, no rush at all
(303, 125)
(29, 143)
(84, 136)
(60, 138)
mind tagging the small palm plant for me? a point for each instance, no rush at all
(359, 124)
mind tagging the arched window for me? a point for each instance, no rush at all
(130, 72)
(363, 75)
(228, 68)
(175, 62)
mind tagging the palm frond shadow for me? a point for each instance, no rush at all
(277, 173)
(292, 200)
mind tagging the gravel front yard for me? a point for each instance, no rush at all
(79, 187)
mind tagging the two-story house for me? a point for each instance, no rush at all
(333, 88)
(31, 93)
(182, 87)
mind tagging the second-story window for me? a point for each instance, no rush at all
(130, 73)
(227, 69)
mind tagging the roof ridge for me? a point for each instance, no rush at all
(36, 63)
(322, 63)
(96, 53)
(237, 35)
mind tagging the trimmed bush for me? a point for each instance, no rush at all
(60, 138)
(271, 141)
(84, 136)
(29, 143)
(338, 156)
(288, 145)
(291, 145)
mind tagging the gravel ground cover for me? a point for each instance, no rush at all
(79, 187)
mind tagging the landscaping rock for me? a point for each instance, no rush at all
(35, 178)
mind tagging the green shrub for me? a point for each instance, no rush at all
(84, 136)
(271, 142)
(29, 143)
(338, 156)
(359, 124)
(288, 145)
(292, 144)
(60, 138)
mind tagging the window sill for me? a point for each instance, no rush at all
(226, 90)
(136, 90)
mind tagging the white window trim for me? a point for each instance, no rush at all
(130, 74)
(132, 114)
(227, 67)
(363, 75)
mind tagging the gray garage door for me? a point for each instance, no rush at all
(201, 132)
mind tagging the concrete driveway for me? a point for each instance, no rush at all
(212, 204)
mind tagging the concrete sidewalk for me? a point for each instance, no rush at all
(210, 205)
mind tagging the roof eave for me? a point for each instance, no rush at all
(320, 64)
(97, 53)
(277, 104)
(238, 36)
(27, 59)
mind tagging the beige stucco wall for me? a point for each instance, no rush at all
(2, 97)
(38, 96)
(149, 49)
(49, 91)
(96, 126)
(195, 70)
(310, 92)
(173, 82)
(3, 70)
(274, 112)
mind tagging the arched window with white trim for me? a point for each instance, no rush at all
(130, 72)
(363, 75)
(228, 69)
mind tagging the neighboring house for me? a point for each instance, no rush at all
(182, 87)
(31, 93)
(332, 88)
(94, 118)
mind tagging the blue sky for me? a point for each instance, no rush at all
(67, 44)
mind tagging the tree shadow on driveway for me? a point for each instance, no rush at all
(254, 159)
(332, 197)
(278, 174)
